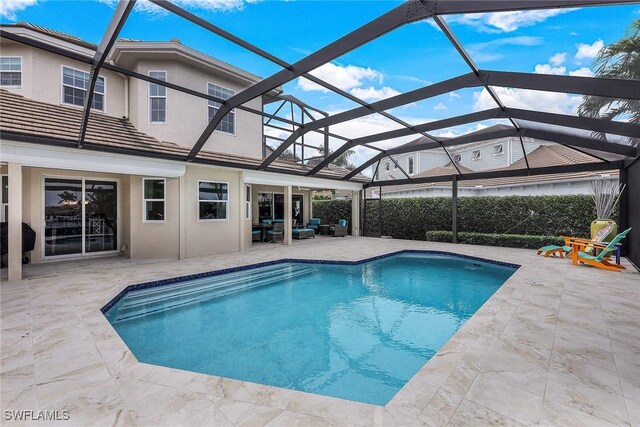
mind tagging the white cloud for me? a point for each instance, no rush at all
(548, 69)
(558, 59)
(439, 106)
(8, 8)
(551, 102)
(452, 133)
(490, 51)
(454, 95)
(373, 94)
(582, 72)
(210, 5)
(345, 78)
(506, 22)
(589, 51)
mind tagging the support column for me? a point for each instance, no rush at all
(14, 221)
(355, 213)
(242, 200)
(288, 220)
(623, 209)
(454, 209)
(182, 231)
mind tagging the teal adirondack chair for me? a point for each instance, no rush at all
(601, 260)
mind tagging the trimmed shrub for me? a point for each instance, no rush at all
(492, 239)
(529, 216)
(330, 211)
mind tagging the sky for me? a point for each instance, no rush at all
(558, 41)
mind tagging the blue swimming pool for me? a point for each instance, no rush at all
(357, 332)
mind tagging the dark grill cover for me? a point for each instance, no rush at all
(28, 238)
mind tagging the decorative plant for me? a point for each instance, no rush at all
(605, 195)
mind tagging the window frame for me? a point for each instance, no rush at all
(13, 71)
(458, 156)
(145, 200)
(493, 150)
(233, 111)
(62, 86)
(473, 154)
(166, 98)
(226, 202)
(387, 166)
(247, 201)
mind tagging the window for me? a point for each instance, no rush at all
(154, 199)
(228, 122)
(157, 98)
(457, 158)
(213, 200)
(410, 165)
(475, 154)
(4, 212)
(386, 166)
(497, 150)
(11, 71)
(247, 202)
(74, 88)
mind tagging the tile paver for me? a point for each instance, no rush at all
(555, 345)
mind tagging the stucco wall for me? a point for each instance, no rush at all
(154, 240)
(187, 116)
(211, 237)
(47, 87)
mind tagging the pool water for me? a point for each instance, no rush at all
(356, 332)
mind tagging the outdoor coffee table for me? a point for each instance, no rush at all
(324, 229)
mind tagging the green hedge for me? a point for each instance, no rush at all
(411, 218)
(491, 239)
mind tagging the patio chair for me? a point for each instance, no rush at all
(550, 250)
(256, 235)
(314, 224)
(339, 229)
(602, 259)
(277, 233)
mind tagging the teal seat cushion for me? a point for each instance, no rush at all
(256, 232)
(555, 247)
(274, 232)
(343, 222)
(298, 230)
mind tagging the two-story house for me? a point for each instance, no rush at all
(148, 202)
(492, 154)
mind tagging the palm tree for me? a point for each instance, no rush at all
(342, 160)
(619, 60)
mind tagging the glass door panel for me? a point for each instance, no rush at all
(297, 208)
(101, 216)
(278, 206)
(63, 216)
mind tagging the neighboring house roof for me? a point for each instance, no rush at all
(21, 116)
(543, 156)
(423, 139)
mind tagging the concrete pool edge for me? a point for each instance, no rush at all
(213, 273)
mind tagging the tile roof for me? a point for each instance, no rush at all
(543, 156)
(61, 123)
(53, 33)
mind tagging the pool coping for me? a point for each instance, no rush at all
(170, 281)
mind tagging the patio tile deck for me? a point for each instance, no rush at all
(555, 345)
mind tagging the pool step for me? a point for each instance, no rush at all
(134, 305)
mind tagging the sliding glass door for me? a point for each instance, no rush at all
(80, 216)
(100, 216)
